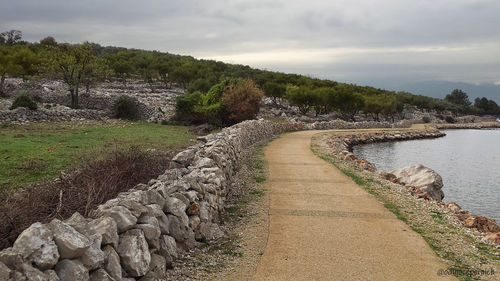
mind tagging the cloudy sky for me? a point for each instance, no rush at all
(385, 43)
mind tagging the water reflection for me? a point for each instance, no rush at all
(468, 161)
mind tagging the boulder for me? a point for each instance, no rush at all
(4, 272)
(112, 263)
(184, 157)
(168, 249)
(32, 273)
(36, 245)
(71, 243)
(51, 275)
(93, 257)
(134, 253)
(124, 219)
(422, 177)
(492, 237)
(157, 269)
(208, 232)
(72, 270)
(106, 226)
(13, 259)
(151, 232)
(101, 275)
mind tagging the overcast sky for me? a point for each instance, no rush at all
(376, 42)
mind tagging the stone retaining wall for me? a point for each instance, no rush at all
(139, 234)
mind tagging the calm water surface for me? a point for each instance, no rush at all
(468, 161)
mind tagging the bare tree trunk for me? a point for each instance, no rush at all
(2, 82)
(76, 97)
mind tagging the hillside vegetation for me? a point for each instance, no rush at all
(84, 65)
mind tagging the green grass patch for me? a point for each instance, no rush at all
(40, 151)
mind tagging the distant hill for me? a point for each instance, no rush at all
(439, 89)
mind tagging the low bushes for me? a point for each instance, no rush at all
(126, 108)
(450, 119)
(81, 191)
(24, 101)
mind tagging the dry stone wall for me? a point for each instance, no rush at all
(23, 115)
(137, 235)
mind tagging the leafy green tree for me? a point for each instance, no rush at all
(274, 90)
(460, 99)
(10, 37)
(301, 97)
(71, 63)
(16, 60)
(48, 41)
(121, 63)
(348, 103)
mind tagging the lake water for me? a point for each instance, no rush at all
(467, 160)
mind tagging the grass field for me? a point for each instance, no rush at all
(40, 151)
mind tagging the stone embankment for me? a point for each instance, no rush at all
(421, 182)
(138, 234)
(487, 125)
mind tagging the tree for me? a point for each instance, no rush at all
(348, 103)
(10, 37)
(16, 60)
(300, 96)
(242, 100)
(73, 64)
(459, 98)
(121, 64)
(274, 90)
(48, 41)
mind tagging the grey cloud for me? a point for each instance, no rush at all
(240, 31)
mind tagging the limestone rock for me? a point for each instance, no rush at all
(100, 275)
(79, 223)
(134, 253)
(93, 257)
(422, 177)
(209, 232)
(112, 263)
(13, 259)
(175, 206)
(72, 270)
(151, 232)
(124, 219)
(157, 269)
(32, 273)
(4, 272)
(492, 237)
(168, 249)
(184, 157)
(51, 275)
(36, 244)
(106, 226)
(71, 243)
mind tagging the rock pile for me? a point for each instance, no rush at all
(141, 232)
(341, 145)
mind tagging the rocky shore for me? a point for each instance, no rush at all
(421, 182)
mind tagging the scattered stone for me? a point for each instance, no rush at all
(208, 232)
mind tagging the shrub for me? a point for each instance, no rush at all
(24, 101)
(242, 101)
(450, 119)
(426, 119)
(126, 108)
(80, 191)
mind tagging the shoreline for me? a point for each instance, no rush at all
(430, 217)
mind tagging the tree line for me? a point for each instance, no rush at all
(81, 66)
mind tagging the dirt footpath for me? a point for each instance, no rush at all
(325, 227)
